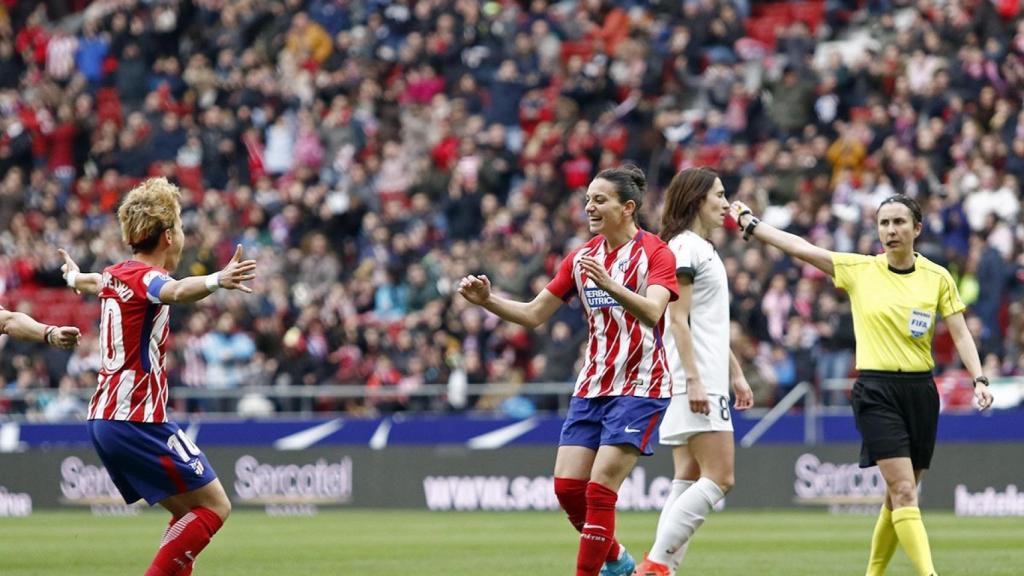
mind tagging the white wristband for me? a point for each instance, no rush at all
(71, 278)
(212, 282)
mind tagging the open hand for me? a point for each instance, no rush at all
(68, 266)
(238, 271)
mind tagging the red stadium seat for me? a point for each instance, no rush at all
(59, 306)
(766, 28)
(584, 48)
(810, 13)
(778, 10)
(711, 155)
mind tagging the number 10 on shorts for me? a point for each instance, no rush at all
(183, 446)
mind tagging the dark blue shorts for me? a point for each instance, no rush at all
(612, 420)
(151, 461)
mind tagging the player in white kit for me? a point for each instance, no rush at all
(698, 424)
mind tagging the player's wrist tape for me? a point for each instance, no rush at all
(71, 278)
(48, 334)
(980, 380)
(748, 231)
(212, 281)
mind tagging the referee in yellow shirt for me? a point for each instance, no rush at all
(896, 297)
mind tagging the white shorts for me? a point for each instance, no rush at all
(680, 422)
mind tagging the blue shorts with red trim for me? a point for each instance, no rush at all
(151, 461)
(612, 420)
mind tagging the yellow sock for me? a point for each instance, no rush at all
(913, 538)
(883, 543)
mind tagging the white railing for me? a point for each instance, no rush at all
(781, 408)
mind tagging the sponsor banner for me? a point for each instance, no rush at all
(14, 504)
(843, 487)
(988, 501)
(301, 482)
(532, 493)
(89, 485)
(294, 488)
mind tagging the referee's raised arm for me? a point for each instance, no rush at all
(789, 243)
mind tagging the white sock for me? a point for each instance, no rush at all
(682, 519)
(678, 487)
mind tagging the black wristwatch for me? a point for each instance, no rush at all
(980, 380)
(748, 230)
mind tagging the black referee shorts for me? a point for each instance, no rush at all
(897, 415)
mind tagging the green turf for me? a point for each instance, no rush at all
(384, 543)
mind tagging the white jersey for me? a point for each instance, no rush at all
(709, 315)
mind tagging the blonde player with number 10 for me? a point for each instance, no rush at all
(146, 454)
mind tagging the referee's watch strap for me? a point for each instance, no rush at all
(748, 231)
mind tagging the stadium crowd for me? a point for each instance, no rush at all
(368, 154)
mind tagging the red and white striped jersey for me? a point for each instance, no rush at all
(624, 357)
(133, 345)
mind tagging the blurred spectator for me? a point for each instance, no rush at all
(756, 368)
(226, 353)
(66, 405)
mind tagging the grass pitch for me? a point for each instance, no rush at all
(392, 543)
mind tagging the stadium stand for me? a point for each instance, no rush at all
(369, 153)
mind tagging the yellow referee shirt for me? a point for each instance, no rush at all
(894, 312)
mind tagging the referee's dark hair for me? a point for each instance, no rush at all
(629, 182)
(915, 208)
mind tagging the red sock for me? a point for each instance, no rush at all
(572, 495)
(598, 531)
(174, 520)
(184, 540)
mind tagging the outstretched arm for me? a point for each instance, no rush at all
(81, 282)
(477, 290)
(195, 288)
(24, 327)
(968, 352)
(789, 243)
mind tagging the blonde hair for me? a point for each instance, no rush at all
(148, 210)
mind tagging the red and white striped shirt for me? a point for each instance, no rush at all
(133, 345)
(624, 357)
(60, 56)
